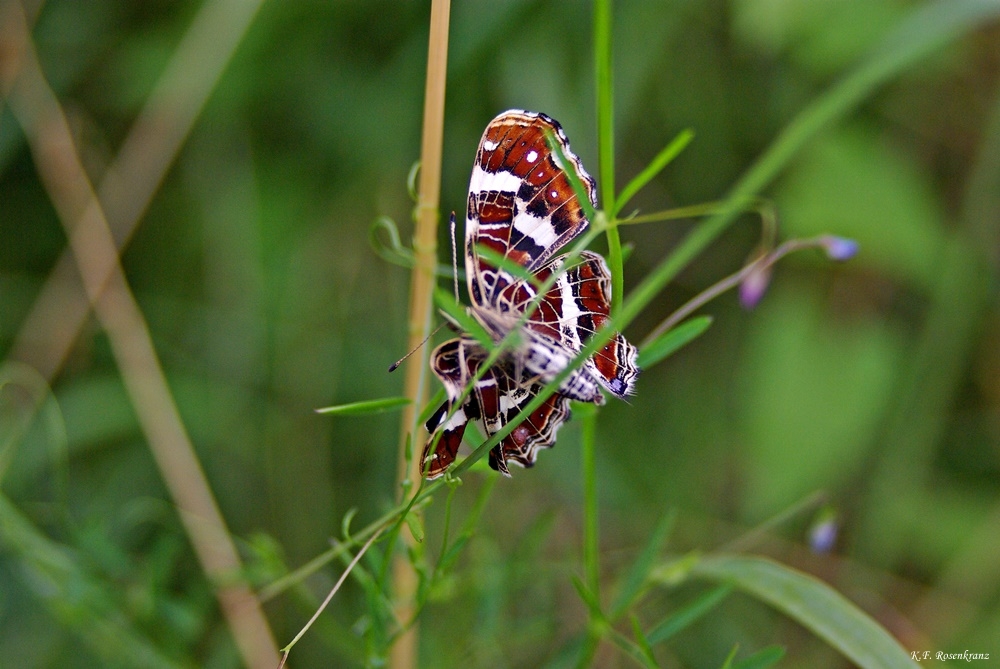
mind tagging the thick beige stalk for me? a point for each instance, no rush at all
(404, 652)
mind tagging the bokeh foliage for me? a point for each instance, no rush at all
(877, 381)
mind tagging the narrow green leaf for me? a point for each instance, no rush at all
(455, 311)
(728, 663)
(581, 192)
(688, 614)
(366, 407)
(662, 159)
(449, 557)
(762, 659)
(411, 181)
(392, 250)
(672, 340)
(627, 249)
(432, 404)
(588, 598)
(504, 263)
(639, 572)
(416, 526)
(632, 649)
(450, 553)
(813, 604)
(345, 523)
(604, 85)
(642, 642)
(591, 542)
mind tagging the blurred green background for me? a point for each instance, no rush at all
(877, 381)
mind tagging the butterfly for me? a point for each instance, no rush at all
(522, 206)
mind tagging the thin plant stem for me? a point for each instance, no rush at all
(606, 142)
(591, 550)
(405, 581)
(755, 535)
(731, 281)
(591, 553)
(759, 205)
(329, 597)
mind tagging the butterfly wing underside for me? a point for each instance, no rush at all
(523, 208)
(521, 204)
(495, 400)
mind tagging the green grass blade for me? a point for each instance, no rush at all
(432, 404)
(367, 407)
(814, 605)
(673, 340)
(762, 659)
(639, 572)
(588, 597)
(392, 250)
(605, 100)
(502, 262)
(637, 652)
(457, 312)
(642, 642)
(662, 159)
(588, 458)
(688, 614)
(728, 663)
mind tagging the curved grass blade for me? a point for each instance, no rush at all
(502, 262)
(637, 651)
(673, 340)
(574, 180)
(432, 404)
(814, 605)
(368, 406)
(728, 664)
(639, 573)
(762, 659)
(393, 252)
(642, 643)
(662, 159)
(459, 315)
(688, 614)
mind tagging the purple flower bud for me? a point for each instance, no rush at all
(823, 534)
(754, 286)
(839, 248)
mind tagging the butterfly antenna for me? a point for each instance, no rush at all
(393, 366)
(454, 256)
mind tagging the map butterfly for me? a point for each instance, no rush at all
(522, 206)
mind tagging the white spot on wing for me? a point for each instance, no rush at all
(540, 230)
(570, 309)
(457, 420)
(490, 146)
(531, 156)
(486, 181)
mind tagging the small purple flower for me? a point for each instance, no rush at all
(753, 287)
(838, 248)
(823, 535)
